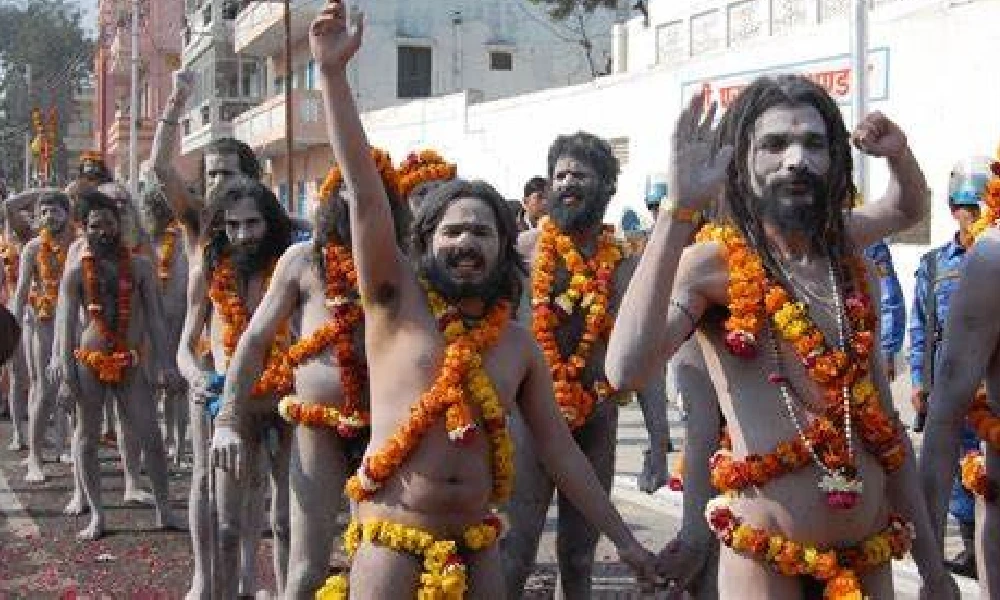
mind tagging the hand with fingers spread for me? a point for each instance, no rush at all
(877, 135)
(698, 166)
(227, 451)
(332, 43)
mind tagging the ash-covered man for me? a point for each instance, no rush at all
(18, 230)
(578, 274)
(257, 230)
(447, 366)
(42, 265)
(317, 281)
(108, 303)
(786, 313)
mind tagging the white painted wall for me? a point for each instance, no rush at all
(942, 89)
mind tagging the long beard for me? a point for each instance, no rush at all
(249, 260)
(585, 214)
(487, 290)
(807, 218)
(104, 245)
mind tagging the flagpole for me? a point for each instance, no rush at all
(859, 83)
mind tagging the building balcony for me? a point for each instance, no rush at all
(260, 29)
(263, 127)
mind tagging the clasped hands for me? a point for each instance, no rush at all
(673, 569)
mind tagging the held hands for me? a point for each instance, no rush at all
(227, 451)
(642, 563)
(697, 168)
(876, 135)
(680, 563)
(332, 44)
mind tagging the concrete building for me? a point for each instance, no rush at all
(413, 49)
(226, 85)
(80, 127)
(159, 56)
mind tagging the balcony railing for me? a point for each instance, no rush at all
(263, 127)
(260, 28)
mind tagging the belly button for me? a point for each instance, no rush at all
(452, 479)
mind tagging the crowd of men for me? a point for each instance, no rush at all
(436, 366)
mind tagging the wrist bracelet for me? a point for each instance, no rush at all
(683, 214)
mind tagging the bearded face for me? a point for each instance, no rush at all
(52, 215)
(246, 230)
(578, 199)
(463, 256)
(103, 232)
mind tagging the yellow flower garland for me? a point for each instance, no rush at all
(444, 574)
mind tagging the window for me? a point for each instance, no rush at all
(746, 21)
(206, 114)
(251, 76)
(311, 75)
(279, 84)
(207, 16)
(227, 79)
(787, 15)
(283, 194)
(669, 42)
(831, 9)
(619, 147)
(300, 198)
(414, 72)
(501, 61)
(707, 32)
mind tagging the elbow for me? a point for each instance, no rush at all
(623, 373)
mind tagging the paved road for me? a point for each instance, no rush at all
(39, 557)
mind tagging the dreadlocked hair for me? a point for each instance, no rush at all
(737, 129)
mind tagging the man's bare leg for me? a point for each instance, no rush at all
(235, 536)
(17, 394)
(199, 514)
(137, 415)
(108, 434)
(527, 511)
(85, 440)
(988, 547)
(576, 538)
(652, 400)
(317, 465)
(279, 449)
(175, 417)
(129, 448)
(486, 575)
(398, 573)
(252, 517)
(752, 580)
(42, 405)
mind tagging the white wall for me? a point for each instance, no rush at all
(942, 89)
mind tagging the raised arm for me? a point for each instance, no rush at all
(275, 309)
(195, 318)
(907, 198)
(569, 467)
(185, 205)
(971, 335)
(642, 338)
(379, 262)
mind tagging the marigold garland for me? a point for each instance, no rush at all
(109, 365)
(590, 287)
(982, 420)
(383, 162)
(838, 568)
(991, 204)
(418, 168)
(836, 372)
(51, 260)
(462, 364)
(165, 254)
(346, 314)
(444, 569)
(277, 377)
(974, 477)
(11, 264)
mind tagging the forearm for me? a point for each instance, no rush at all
(928, 543)
(701, 443)
(639, 342)
(165, 138)
(243, 371)
(907, 187)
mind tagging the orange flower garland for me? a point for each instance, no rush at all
(991, 199)
(165, 258)
(109, 366)
(751, 294)
(418, 168)
(462, 363)
(383, 162)
(11, 265)
(277, 377)
(346, 315)
(983, 421)
(51, 260)
(974, 476)
(838, 568)
(590, 287)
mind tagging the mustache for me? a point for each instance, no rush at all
(453, 257)
(807, 178)
(572, 190)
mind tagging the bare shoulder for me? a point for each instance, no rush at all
(526, 242)
(703, 269)
(31, 248)
(983, 264)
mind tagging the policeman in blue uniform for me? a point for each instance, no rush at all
(893, 317)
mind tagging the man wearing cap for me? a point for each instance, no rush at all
(937, 279)
(893, 307)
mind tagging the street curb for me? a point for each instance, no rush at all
(671, 504)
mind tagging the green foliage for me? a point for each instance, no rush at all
(560, 9)
(48, 36)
